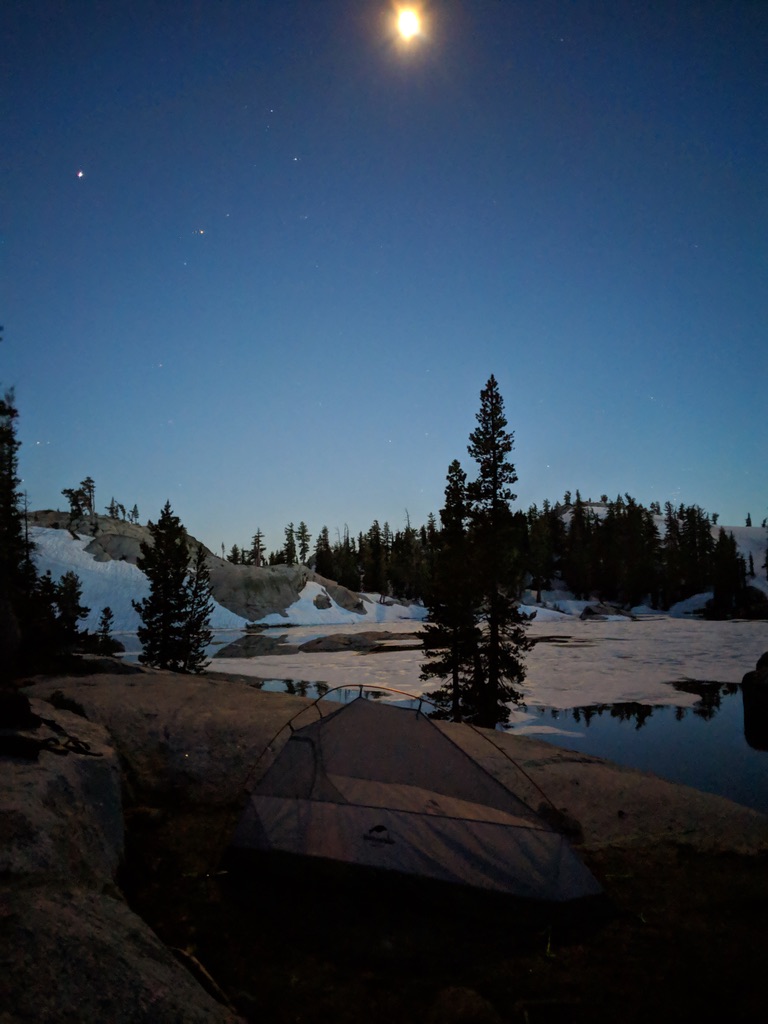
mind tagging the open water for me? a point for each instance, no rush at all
(717, 746)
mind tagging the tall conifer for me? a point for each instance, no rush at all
(452, 634)
(197, 632)
(476, 634)
(501, 664)
(175, 615)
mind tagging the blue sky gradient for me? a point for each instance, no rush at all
(298, 249)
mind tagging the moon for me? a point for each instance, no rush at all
(408, 22)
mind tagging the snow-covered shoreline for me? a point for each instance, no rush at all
(579, 663)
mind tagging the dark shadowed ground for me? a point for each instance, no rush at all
(685, 873)
(684, 938)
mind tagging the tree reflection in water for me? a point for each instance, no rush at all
(718, 744)
(710, 700)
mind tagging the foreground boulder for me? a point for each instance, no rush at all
(74, 954)
(70, 946)
(61, 814)
(758, 678)
(754, 695)
(181, 738)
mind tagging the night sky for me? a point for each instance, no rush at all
(261, 258)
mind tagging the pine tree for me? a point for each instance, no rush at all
(729, 577)
(173, 620)
(21, 606)
(289, 549)
(407, 563)
(373, 559)
(88, 488)
(68, 596)
(105, 644)
(324, 555)
(501, 663)
(671, 559)
(16, 571)
(82, 499)
(696, 547)
(541, 550)
(199, 607)
(40, 624)
(75, 497)
(579, 558)
(303, 537)
(452, 635)
(625, 552)
(257, 548)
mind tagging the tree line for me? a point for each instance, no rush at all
(618, 551)
(622, 552)
(380, 560)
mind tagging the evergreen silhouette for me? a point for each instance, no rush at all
(105, 643)
(16, 572)
(28, 630)
(289, 549)
(452, 635)
(497, 556)
(302, 538)
(69, 593)
(257, 549)
(729, 577)
(481, 624)
(197, 631)
(176, 614)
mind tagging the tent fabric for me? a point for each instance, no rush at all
(382, 786)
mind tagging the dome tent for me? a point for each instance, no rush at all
(381, 786)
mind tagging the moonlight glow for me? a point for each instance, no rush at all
(408, 22)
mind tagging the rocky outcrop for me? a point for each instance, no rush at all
(255, 591)
(601, 612)
(188, 738)
(112, 539)
(60, 803)
(71, 947)
(82, 955)
(249, 591)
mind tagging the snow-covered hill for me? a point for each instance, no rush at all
(116, 583)
(109, 583)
